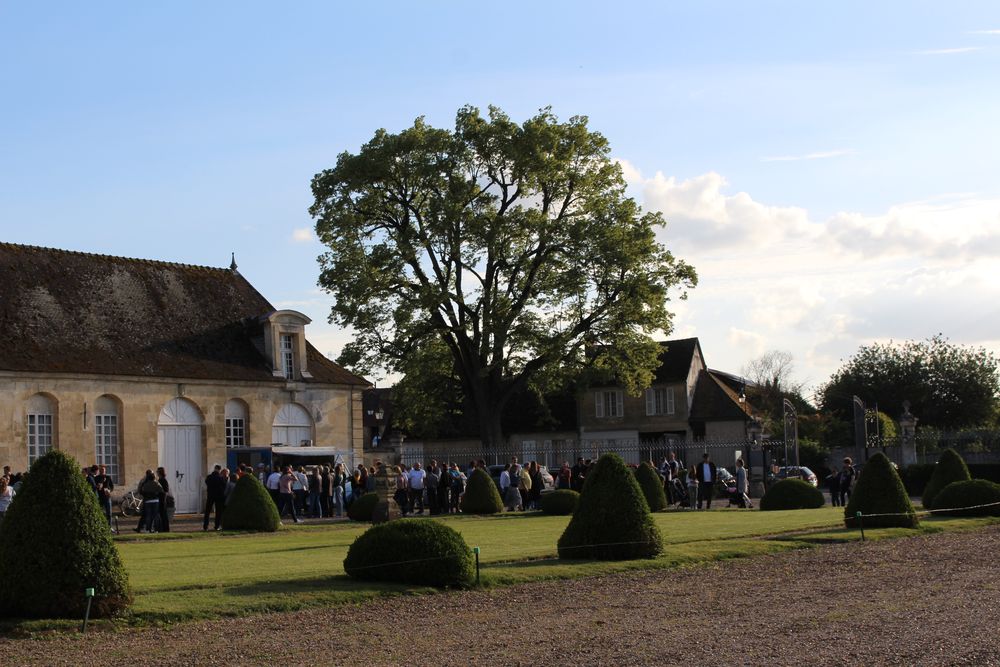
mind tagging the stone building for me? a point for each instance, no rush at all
(136, 364)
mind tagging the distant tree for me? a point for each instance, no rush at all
(513, 246)
(948, 386)
(770, 382)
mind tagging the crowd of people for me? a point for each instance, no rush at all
(839, 483)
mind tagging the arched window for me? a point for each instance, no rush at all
(292, 426)
(42, 411)
(107, 421)
(236, 423)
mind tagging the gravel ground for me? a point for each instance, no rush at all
(889, 602)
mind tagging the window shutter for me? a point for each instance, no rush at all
(670, 401)
(618, 400)
(650, 402)
(599, 403)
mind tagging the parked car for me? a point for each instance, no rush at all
(794, 472)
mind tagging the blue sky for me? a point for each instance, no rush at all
(830, 168)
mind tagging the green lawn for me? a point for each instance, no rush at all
(181, 576)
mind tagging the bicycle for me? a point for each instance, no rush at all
(131, 504)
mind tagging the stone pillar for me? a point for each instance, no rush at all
(386, 508)
(908, 439)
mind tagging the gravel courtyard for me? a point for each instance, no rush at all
(927, 600)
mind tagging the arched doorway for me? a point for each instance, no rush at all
(181, 453)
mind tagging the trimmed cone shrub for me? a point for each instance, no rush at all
(362, 508)
(950, 468)
(481, 495)
(792, 494)
(560, 501)
(250, 508)
(612, 520)
(411, 551)
(652, 487)
(879, 490)
(54, 543)
(968, 494)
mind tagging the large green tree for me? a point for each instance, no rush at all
(948, 386)
(513, 245)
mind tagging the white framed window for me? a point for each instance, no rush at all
(236, 424)
(292, 426)
(660, 401)
(609, 403)
(288, 356)
(41, 433)
(106, 444)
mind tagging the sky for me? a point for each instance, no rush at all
(830, 169)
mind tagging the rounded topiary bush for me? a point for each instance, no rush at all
(612, 520)
(792, 494)
(481, 495)
(950, 468)
(879, 490)
(362, 508)
(969, 494)
(560, 501)
(55, 543)
(652, 487)
(411, 551)
(250, 508)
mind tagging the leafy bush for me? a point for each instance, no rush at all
(652, 487)
(481, 495)
(411, 551)
(915, 477)
(968, 494)
(250, 508)
(560, 501)
(362, 508)
(987, 471)
(879, 490)
(612, 520)
(54, 543)
(792, 494)
(950, 468)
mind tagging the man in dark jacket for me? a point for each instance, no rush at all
(216, 486)
(706, 481)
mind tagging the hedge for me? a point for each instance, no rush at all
(55, 542)
(560, 501)
(362, 508)
(250, 508)
(792, 494)
(950, 468)
(879, 490)
(612, 520)
(481, 495)
(652, 487)
(968, 494)
(411, 551)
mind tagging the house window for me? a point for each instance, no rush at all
(660, 401)
(106, 441)
(39, 436)
(287, 356)
(609, 403)
(236, 424)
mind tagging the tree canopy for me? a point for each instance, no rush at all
(512, 247)
(948, 386)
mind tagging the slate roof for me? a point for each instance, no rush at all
(74, 312)
(715, 400)
(675, 360)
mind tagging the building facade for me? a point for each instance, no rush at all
(136, 364)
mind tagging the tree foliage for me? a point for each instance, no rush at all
(769, 382)
(948, 386)
(513, 246)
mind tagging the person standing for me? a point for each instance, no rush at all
(692, 487)
(535, 492)
(847, 475)
(833, 486)
(433, 481)
(164, 516)
(706, 481)
(150, 491)
(105, 485)
(286, 493)
(337, 485)
(301, 488)
(326, 491)
(272, 484)
(315, 483)
(7, 494)
(416, 476)
(741, 485)
(444, 489)
(579, 472)
(215, 497)
(401, 495)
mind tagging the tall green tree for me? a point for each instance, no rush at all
(949, 386)
(514, 246)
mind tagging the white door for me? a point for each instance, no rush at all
(180, 456)
(180, 453)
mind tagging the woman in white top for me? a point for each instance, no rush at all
(6, 495)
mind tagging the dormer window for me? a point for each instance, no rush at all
(285, 344)
(288, 356)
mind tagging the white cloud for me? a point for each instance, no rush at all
(303, 235)
(772, 278)
(820, 155)
(947, 52)
(984, 32)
